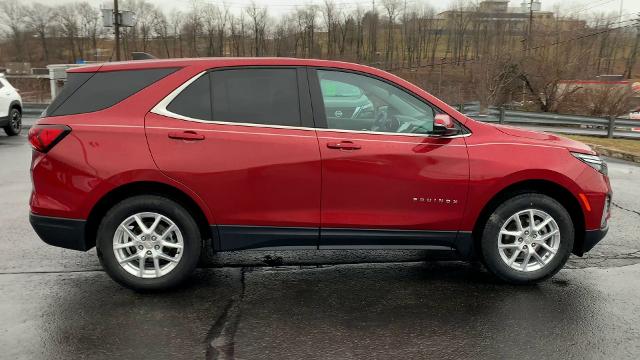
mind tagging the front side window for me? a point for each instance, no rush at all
(362, 103)
(256, 96)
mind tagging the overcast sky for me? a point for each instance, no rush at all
(578, 7)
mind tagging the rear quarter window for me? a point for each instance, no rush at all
(88, 92)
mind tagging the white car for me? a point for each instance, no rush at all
(10, 108)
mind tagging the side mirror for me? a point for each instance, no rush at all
(443, 125)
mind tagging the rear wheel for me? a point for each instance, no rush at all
(15, 122)
(527, 239)
(149, 242)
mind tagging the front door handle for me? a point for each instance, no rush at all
(186, 135)
(343, 145)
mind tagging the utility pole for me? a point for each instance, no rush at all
(116, 28)
(530, 28)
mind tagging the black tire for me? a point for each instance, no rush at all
(15, 122)
(157, 204)
(490, 235)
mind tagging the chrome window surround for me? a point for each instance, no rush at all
(161, 109)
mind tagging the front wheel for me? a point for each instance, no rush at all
(15, 122)
(148, 242)
(527, 239)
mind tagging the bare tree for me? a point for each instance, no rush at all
(161, 28)
(193, 27)
(329, 14)
(238, 34)
(67, 20)
(11, 22)
(177, 22)
(391, 7)
(307, 23)
(89, 24)
(492, 79)
(209, 26)
(38, 19)
(258, 18)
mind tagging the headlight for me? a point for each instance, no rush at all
(594, 161)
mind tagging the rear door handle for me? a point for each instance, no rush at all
(343, 145)
(186, 135)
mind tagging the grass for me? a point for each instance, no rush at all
(623, 145)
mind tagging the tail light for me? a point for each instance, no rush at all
(45, 137)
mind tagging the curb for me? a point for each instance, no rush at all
(602, 150)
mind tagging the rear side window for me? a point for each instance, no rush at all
(90, 92)
(257, 96)
(74, 81)
(194, 101)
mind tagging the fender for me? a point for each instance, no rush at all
(15, 103)
(480, 196)
(117, 181)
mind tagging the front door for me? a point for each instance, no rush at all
(386, 182)
(235, 137)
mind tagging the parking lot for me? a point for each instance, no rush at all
(348, 304)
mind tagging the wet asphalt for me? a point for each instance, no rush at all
(58, 304)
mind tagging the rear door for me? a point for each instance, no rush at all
(243, 139)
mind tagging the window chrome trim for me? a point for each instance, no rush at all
(161, 109)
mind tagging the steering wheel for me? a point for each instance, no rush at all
(385, 123)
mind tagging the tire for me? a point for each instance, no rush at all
(175, 224)
(15, 122)
(509, 265)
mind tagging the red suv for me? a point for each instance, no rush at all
(155, 161)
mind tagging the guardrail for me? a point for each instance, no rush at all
(503, 116)
(33, 109)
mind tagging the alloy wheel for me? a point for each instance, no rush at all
(528, 240)
(148, 245)
(16, 121)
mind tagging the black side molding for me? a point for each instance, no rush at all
(238, 237)
(234, 237)
(61, 232)
(338, 238)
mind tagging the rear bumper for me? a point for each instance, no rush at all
(60, 232)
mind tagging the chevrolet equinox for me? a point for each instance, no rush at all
(156, 162)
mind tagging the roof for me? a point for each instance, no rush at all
(215, 62)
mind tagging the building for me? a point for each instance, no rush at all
(518, 17)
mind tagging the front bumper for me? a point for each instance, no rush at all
(591, 238)
(61, 232)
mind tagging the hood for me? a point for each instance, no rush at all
(545, 138)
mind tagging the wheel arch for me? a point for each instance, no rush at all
(15, 104)
(545, 187)
(120, 193)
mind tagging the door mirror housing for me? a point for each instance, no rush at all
(443, 125)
